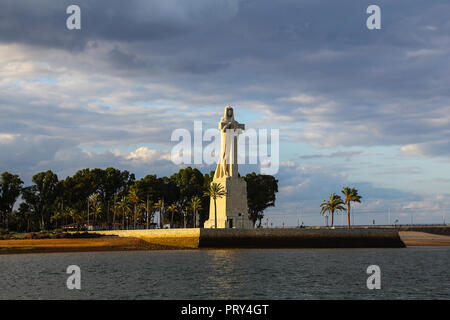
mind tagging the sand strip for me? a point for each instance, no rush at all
(414, 238)
(76, 245)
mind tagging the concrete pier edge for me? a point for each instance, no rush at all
(266, 238)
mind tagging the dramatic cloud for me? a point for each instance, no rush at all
(352, 105)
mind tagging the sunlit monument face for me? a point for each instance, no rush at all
(231, 210)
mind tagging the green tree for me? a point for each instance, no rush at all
(109, 184)
(114, 183)
(351, 195)
(173, 209)
(203, 213)
(10, 189)
(115, 211)
(149, 212)
(142, 211)
(261, 191)
(41, 196)
(334, 204)
(25, 218)
(196, 204)
(124, 209)
(58, 212)
(168, 191)
(76, 217)
(134, 198)
(160, 207)
(55, 218)
(148, 188)
(215, 191)
(190, 184)
(96, 205)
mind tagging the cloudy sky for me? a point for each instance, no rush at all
(357, 107)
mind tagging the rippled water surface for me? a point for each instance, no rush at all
(409, 273)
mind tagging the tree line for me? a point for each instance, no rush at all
(110, 199)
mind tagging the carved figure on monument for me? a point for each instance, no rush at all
(230, 130)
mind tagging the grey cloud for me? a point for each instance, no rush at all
(198, 67)
(43, 22)
(387, 87)
(343, 154)
(127, 61)
(308, 187)
(429, 149)
(401, 171)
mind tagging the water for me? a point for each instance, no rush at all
(409, 273)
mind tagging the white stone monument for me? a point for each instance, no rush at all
(232, 210)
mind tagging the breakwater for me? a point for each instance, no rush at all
(266, 238)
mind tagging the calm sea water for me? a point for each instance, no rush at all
(409, 273)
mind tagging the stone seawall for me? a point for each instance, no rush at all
(300, 238)
(266, 238)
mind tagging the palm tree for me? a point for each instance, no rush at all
(335, 203)
(351, 194)
(160, 206)
(66, 215)
(196, 204)
(95, 203)
(185, 211)
(124, 209)
(116, 211)
(142, 210)
(173, 208)
(132, 195)
(149, 211)
(215, 190)
(74, 215)
(54, 218)
(59, 213)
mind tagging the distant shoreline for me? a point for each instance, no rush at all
(169, 241)
(131, 243)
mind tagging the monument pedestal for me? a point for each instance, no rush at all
(232, 208)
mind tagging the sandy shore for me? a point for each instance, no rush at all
(414, 238)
